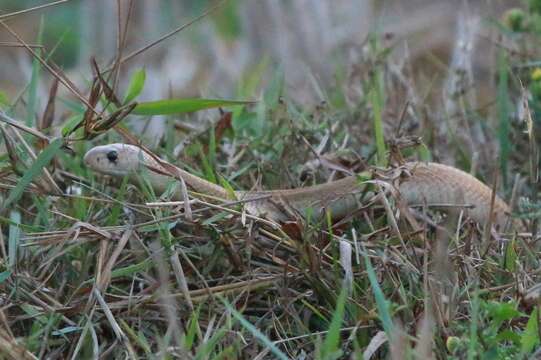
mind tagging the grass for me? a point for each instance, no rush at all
(91, 268)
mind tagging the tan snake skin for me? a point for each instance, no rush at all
(430, 183)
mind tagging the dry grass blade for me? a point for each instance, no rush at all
(181, 279)
(8, 120)
(172, 171)
(105, 277)
(104, 125)
(14, 44)
(114, 324)
(107, 90)
(122, 37)
(88, 120)
(488, 225)
(29, 10)
(169, 307)
(48, 114)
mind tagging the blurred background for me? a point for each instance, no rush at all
(433, 52)
(314, 41)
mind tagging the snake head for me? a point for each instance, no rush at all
(114, 159)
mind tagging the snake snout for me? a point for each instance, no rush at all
(92, 159)
(87, 159)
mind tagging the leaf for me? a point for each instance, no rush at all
(71, 124)
(191, 332)
(14, 238)
(67, 330)
(207, 166)
(508, 335)
(530, 336)
(382, 304)
(501, 312)
(377, 101)
(332, 340)
(511, 256)
(43, 159)
(181, 106)
(129, 270)
(4, 275)
(137, 82)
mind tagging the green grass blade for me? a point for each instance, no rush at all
(207, 166)
(206, 348)
(383, 307)
(181, 106)
(376, 99)
(129, 270)
(331, 345)
(43, 159)
(530, 337)
(4, 275)
(472, 348)
(14, 237)
(137, 82)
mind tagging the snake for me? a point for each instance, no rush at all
(427, 183)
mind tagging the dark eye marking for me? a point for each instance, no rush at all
(112, 156)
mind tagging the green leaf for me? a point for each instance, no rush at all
(4, 275)
(181, 106)
(67, 330)
(383, 306)
(14, 237)
(530, 336)
(43, 159)
(508, 335)
(137, 82)
(511, 256)
(189, 339)
(474, 340)
(207, 166)
(129, 270)
(71, 124)
(376, 99)
(501, 312)
(332, 341)
(227, 186)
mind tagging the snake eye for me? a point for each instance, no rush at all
(112, 156)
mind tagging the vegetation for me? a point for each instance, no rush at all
(92, 267)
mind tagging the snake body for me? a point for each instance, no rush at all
(430, 183)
